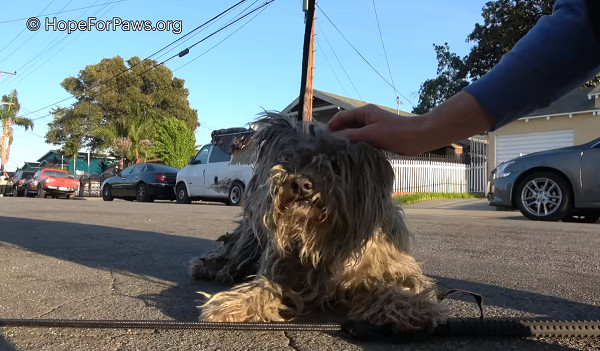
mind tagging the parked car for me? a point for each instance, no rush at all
(559, 184)
(16, 184)
(143, 182)
(211, 175)
(52, 182)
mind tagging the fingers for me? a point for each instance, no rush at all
(348, 119)
(368, 133)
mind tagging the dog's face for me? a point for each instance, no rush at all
(319, 191)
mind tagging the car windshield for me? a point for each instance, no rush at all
(162, 168)
(56, 174)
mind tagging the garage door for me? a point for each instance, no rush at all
(514, 145)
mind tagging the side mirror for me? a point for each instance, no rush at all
(191, 161)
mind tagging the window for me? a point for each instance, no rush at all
(218, 155)
(55, 174)
(127, 171)
(202, 155)
(138, 168)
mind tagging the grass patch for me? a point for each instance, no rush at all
(408, 199)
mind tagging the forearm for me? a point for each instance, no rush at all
(558, 54)
(459, 117)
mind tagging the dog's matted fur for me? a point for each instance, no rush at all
(320, 228)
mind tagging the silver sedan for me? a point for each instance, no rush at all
(559, 184)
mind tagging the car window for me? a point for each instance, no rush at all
(56, 174)
(202, 155)
(139, 168)
(127, 170)
(218, 155)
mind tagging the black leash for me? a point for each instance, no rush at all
(357, 329)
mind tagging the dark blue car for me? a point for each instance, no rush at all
(143, 182)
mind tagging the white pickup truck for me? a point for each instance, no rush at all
(213, 174)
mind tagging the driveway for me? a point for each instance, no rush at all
(126, 260)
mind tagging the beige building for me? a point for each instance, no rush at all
(571, 120)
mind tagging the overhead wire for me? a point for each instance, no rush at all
(361, 56)
(22, 31)
(31, 37)
(239, 13)
(331, 67)
(181, 54)
(339, 62)
(384, 51)
(45, 55)
(131, 67)
(59, 12)
(193, 30)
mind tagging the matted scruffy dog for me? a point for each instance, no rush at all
(320, 228)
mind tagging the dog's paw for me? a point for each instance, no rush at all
(199, 270)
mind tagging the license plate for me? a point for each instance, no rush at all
(63, 188)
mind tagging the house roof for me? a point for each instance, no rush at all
(343, 102)
(80, 155)
(32, 164)
(577, 100)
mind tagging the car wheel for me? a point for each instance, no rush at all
(543, 196)
(141, 193)
(40, 192)
(182, 194)
(583, 217)
(107, 193)
(236, 192)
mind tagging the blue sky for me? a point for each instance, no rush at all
(257, 67)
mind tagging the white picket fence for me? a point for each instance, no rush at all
(425, 176)
(442, 174)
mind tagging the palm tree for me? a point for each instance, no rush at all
(128, 136)
(9, 108)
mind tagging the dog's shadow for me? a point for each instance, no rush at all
(163, 256)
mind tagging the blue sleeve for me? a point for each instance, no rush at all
(558, 54)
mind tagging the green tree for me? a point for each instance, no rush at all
(174, 143)
(504, 23)
(450, 79)
(119, 100)
(9, 108)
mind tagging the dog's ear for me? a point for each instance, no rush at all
(372, 181)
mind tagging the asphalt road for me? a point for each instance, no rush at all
(89, 259)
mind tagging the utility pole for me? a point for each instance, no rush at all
(14, 74)
(305, 101)
(5, 132)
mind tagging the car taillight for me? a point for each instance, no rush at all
(161, 177)
(20, 181)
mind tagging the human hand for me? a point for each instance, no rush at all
(381, 128)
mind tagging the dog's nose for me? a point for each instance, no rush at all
(302, 186)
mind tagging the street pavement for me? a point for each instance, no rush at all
(89, 259)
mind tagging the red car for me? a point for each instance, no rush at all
(52, 182)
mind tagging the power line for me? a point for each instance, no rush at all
(56, 13)
(383, 46)
(128, 69)
(18, 35)
(181, 54)
(244, 10)
(331, 67)
(131, 67)
(44, 53)
(227, 37)
(361, 56)
(339, 62)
